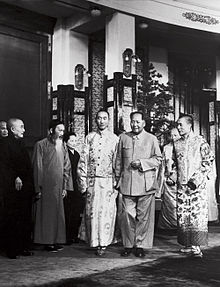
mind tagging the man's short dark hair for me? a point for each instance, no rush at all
(138, 113)
(54, 123)
(67, 136)
(188, 117)
(102, 110)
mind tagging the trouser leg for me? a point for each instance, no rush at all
(145, 221)
(128, 221)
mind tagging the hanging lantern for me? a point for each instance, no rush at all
(127, 62)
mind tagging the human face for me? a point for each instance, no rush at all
(3, 129)
(137, 124)
(183, 126)
(102, 120)
(18, 129)
(59, 131)
(71, 143)
(174, 135)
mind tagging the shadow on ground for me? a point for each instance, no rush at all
(174, 271)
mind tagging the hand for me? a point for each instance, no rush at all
(136, 164)
(84, 195)
(191, 185)
(116, 182)
(38, 193)
(64, 193)
(18, 183)
(37, 196)
(170, 182)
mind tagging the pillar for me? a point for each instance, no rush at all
(69, 49)
(120, 34)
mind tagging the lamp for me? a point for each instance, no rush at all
(95, 11)
(129, 57)
(135, 58)
(80, 72)
(143, 25)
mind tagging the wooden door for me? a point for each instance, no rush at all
(23, 80)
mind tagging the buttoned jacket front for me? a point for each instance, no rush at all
(143, 147)
(97, 157)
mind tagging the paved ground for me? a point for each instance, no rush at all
(77, 266)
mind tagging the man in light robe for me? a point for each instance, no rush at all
(52, 171)
(137, 160)
(193, 160)
(96, 181)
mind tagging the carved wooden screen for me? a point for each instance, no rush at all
(72, 107)
(120, 101)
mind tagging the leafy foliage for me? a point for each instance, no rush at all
(153, 99)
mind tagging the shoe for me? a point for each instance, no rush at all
(100, 251)
(76, 240)
(126, 252)
(12, 256)
(139, 252)
(69, 242)
(196, 252)
(50, 248)
(27, 252)
(58, 247)
(186, 250)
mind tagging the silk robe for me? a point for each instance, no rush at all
(52, 171)
(194, 161)
(96, 178)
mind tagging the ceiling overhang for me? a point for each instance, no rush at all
(196, 14)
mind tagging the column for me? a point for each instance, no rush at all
(120, 34)
(69, 49)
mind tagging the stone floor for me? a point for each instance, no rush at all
(77, 266)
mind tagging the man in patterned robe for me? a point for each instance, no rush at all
(96, 180)
(194, 161)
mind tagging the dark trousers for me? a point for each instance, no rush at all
(73, 206)
(17, 222)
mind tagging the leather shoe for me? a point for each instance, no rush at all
(139, 252)
(50, 248)
(12, 255)
(27, 252)
(100, 251)
(126, 252)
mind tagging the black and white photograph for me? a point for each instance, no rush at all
(109, 143)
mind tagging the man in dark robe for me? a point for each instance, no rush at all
(17, 185)
(73, 202)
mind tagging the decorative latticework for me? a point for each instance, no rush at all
(72, 107)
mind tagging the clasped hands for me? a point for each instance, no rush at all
(136, 164)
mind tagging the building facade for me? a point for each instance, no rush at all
(67, 59)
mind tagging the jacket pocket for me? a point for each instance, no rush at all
(151, 181)
(127, 151)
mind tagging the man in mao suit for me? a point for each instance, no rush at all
(137, 160)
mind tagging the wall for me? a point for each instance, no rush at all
(159, 58)
(69, 49)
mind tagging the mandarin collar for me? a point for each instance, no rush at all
(101, 133)
(134, 136)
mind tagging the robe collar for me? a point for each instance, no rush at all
(189, 136)
(102, 133)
